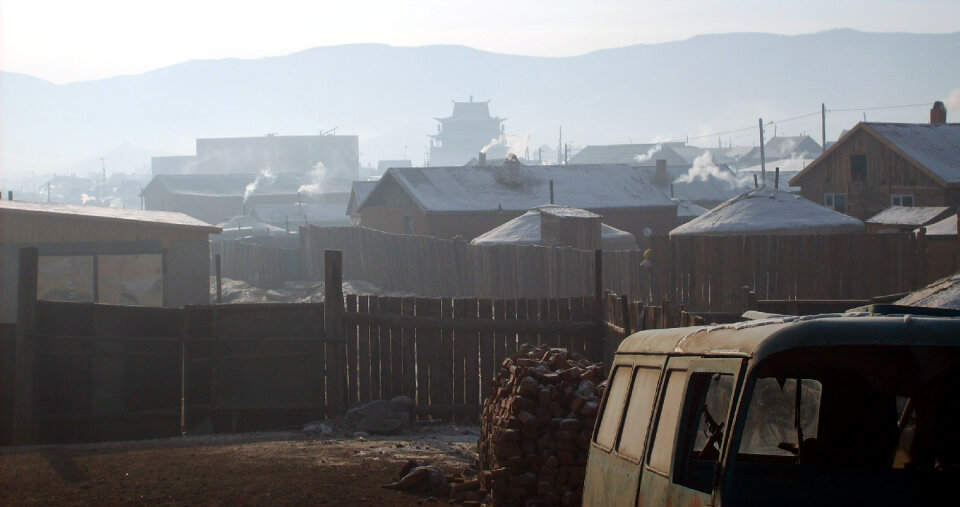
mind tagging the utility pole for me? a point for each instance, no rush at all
(763, 160)
(823, 127)
(560, 146)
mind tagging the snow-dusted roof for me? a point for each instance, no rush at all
(225, 185)
(769, 211)
(325, 213)
(934, 146)
(945, 227)
(908, 215)
(627, 154)
(944, 293)
(161, 218)
(242, 226)
(686, 209)
(519, 188)
(525, 230)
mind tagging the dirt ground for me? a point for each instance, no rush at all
(276, 468)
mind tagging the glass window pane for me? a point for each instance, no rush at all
(771, 426)
(713, 414)
(661, 457)
(130, 279)
(638, 412)
(65, 278)
(616, 396)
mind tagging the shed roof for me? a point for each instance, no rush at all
(157, 218)
(515, 187)
(909, 215)
(627, 154)
(945, 227)
(525, 230)
(769, 211)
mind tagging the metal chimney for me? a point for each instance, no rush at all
(938, 113)
(660, 176)
(482, 159)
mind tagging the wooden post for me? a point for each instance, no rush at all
(333, 332)
(24, 399)
(598, 281)
(185, 350)
(219, 282)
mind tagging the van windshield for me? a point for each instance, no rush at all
(853, 424)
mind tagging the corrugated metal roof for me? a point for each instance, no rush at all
(628, 154)
(525, 230)
(225, 185)
(520, 188)
(159, 218)
(908, 215)
(934, 146)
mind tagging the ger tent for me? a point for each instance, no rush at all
(769, 211)
(525, 230)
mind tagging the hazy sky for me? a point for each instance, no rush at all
(64, 41)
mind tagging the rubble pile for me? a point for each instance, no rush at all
(536, 426)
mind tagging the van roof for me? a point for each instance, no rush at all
(760, 338)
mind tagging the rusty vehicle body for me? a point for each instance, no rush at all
(854, 409)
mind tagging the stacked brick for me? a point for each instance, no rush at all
(536, 426)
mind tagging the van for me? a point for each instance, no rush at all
(854, 409)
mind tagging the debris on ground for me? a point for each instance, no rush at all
(536, 426)
(382, 417)
(239, 291)
(421, 478)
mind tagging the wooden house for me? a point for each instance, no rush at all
(358, 192)
(878, 165)
(467, 201)
(107, 255)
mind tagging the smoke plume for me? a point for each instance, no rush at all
(704, 169)
(644, 157)
(318, 180)
(953, 100)
(265, 176)
(513, 144)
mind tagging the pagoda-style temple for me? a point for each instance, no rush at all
(462, 135)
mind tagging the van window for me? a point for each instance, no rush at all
(639, 409)
(661, 455)
(613, 407)
(707, 404)
(771, 427)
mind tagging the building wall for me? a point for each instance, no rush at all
(887, 174)
(186, 278)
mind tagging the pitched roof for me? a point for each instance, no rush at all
(627, 154)
(945, 227)
(935, 148)
(159, 218)
(520, 188)
(525, 230)
(701, 183)
(358, 193)
(769, 211)
(224, 185)
(909, 215)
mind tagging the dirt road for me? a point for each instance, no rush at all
(277, 468)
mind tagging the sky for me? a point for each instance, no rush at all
(67, 41)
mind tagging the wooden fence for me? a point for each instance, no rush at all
(262, 265)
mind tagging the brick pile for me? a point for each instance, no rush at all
(536, 426)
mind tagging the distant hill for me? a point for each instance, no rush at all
(389, 95)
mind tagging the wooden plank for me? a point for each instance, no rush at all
(394, 307)
(472, 377)
(373, 330)
(445, 353)
(25, 374)
(350, 333)
(424, 348)
(432, 308)
(562, 316)
(459, 373)
(408, 337)
(499, 337)
(333, 332)
(510, 338)
(476, 325)
(577, 341)
(363, 351)
(486, 345)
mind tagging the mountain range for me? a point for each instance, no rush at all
(389, 96)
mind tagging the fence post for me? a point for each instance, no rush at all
(600, 307)
(219, 281)
(24, 399)
(333, 332)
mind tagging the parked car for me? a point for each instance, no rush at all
(854, 409)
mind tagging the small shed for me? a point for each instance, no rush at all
(769, 211)
(106, 255)
(906, 218)
(529, 229)
(944, 228)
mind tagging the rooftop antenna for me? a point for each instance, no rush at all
(763, 160)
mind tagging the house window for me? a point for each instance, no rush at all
(408, 225)
(836, 202)
(858, 168)
(901, 200)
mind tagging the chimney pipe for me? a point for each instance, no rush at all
(660, 176)
(551, 192)
(10, 195)
(482, 159)
(776, 178)
(938, 113)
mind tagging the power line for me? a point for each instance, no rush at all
(878, 108)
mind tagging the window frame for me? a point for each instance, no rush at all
(832, 196)
(626, 409)
(633, 362)
(900, 197)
